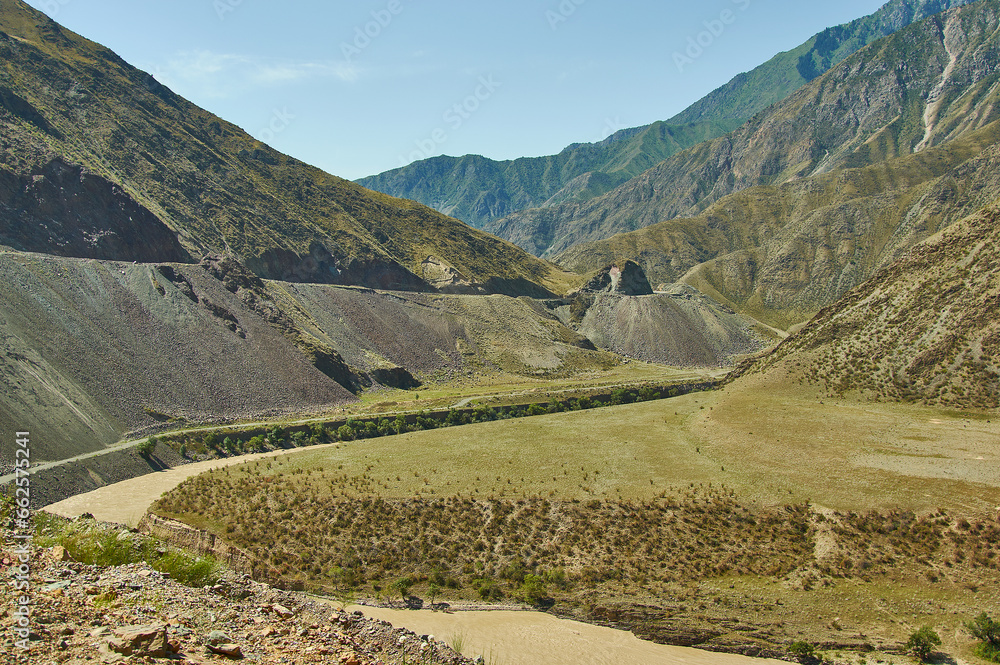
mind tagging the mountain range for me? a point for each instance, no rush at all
(481, 191)
(160, 266)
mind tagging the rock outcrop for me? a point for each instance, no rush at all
(627, 279)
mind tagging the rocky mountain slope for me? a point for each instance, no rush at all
(923, 329)
(133, 613)
(478, 190)
(925, 85)
(782, 253)
(98, 160)
(94, 349)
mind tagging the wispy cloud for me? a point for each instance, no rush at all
(222, 75)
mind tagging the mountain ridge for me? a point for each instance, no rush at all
(63, 97)
(480, 191)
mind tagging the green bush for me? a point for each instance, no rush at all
(802, 649)
(922, 642)
(533, 590)
(487, 589)
(402, 586)
(536, 410)
(146, 448)
(987, 631)
(987, 651)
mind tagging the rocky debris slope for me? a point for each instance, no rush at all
(132, 613)
(94, 350)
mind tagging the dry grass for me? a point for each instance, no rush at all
(695, 507)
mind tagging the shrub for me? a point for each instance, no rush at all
(922, 643)
(536, 410)
(802, 649)
(402, 586)
(487, 589)
(345, 433)
(533, 590)
(987, 651)
(146, 448)
(987, 631)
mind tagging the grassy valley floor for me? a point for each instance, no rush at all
(741, 520)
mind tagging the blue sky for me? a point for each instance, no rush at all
(361, 87)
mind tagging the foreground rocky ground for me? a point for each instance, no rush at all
(134, 614)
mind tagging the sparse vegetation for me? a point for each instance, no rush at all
(100, 544)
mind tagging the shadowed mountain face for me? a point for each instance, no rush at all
(64, 211)
(480, 191)
(99, 160)
(924, 329)
(923, 86)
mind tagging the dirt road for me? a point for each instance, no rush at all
(530, 638)
(503, 638)
(126, 502)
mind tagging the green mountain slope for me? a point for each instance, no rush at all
(147, 164)
(925, 85)
(479, 191)
(923, 329)
(752, 92)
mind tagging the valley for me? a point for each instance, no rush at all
(728, 381)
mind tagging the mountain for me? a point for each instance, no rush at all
(99, 160)
(93, 350)
(781, 253)
(142, 237)
(924, 85)
(479, 191)
(923, 329)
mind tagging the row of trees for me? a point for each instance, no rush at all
(357, 429)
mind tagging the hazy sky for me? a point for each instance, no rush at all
(361, 87)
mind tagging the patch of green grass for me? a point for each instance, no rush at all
(99, 544)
